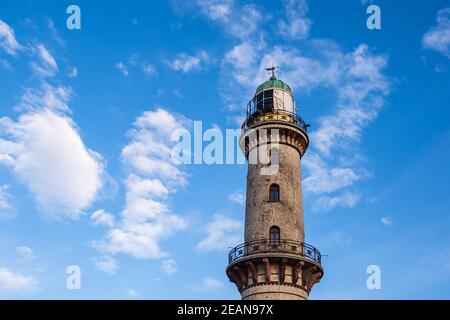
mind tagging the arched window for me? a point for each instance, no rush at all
(274, 193)
(274, 235)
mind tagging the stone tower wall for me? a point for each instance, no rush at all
(287, 214)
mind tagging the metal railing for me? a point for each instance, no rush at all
(266, 109)
(280, 246)
(274, 115)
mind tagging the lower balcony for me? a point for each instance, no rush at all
(266, 246)
(274, 269)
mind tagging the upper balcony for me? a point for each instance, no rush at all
(271, 108)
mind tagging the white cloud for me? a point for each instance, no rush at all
(8, 40)
(106, 264)
(122, 68)
(208, 284)
(54, 33)
(438, 37)
(221, 234)
(73, 72)
(323, 179)
(44, 150)
(146, 217)
(132, 294)
(149, 69)
(15, 282)
(216, 9)
(387, 221)
(5, 64)
(245, 21)
(46, 66)
(186, 63)
(297, 25)
(212, 283)
(239, 21)
(25, 253)
(7, 210)
(346, 200)
(4, 194)
(242, 59)
(341, 238)
(237, 197)
(169, 266)
(360, 96)
(102, 218)
(45, 97)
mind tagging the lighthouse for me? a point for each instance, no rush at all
(274, 262)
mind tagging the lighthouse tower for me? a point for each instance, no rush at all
(274, 262)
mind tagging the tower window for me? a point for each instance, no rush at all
(274, 235)
(274, 193)
(268, 99)
(260, 101)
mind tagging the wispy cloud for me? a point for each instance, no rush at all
(122, 68)
(46, 65)
(102, 218)
(238, 21)
(146, 67)
(216, 9)
(212, 283)
(221, 234)
(297, 25)
(5, 64)
(5, 196)
(25, 253)
(387, 221)
(133, 294)
(187, 63)
(149, 69)
(15, 282)
(208, 284)
(340, 238)
(55, 34)
(438, 37)
(73, 72)
(169, 267)
(135, 62)
(8, 40)
(323, 178)
(237, 197)
(47, 96)
(327, 203)
(106, 264)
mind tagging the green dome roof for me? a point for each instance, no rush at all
(273, 83)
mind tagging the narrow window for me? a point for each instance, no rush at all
(260, 101)
(274, 235)
(274, 193)
(268, 99)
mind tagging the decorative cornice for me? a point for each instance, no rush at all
(308, 272)
(271, 133)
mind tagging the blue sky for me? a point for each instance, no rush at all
(85, 123)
